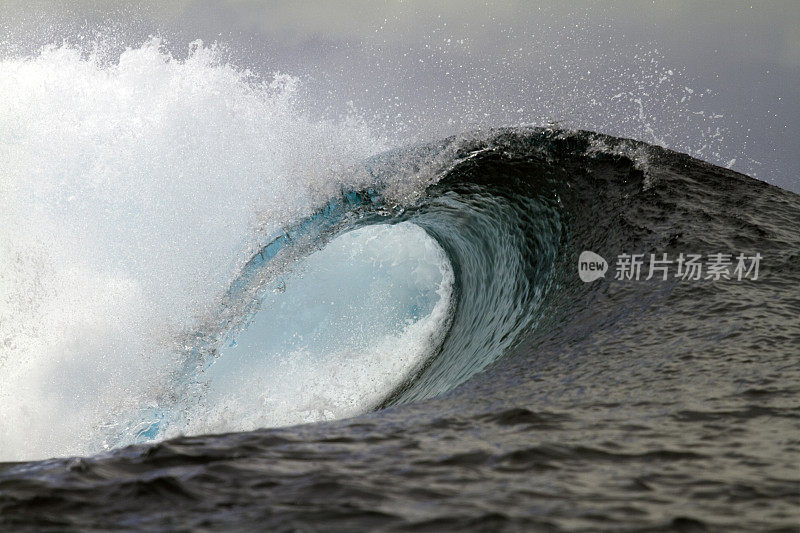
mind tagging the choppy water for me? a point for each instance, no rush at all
(420, 306)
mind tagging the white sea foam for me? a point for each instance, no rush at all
(130, 194)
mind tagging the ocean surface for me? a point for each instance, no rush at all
(387, 337)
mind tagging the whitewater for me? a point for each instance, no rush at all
(133, 193)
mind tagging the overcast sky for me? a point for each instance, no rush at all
(718, 79)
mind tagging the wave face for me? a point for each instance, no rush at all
(169, 226)
(360, 306)
(202, 194)
(423, 302)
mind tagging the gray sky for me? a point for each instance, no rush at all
(719, 79)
